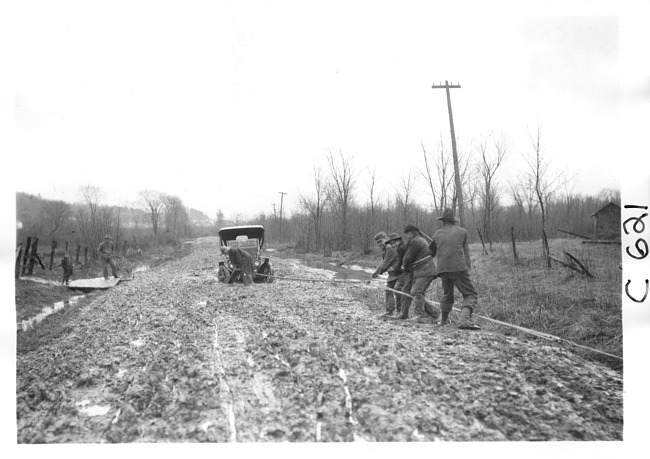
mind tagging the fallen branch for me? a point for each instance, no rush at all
(601, 242)
(573, 258)
(574, 234)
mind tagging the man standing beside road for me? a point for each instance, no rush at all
(450, 247)
(422, 271)
(105, 252)
(241, 260)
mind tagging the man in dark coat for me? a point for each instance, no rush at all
(241, 260)
(398, 276)
(388, 260)
(422, 271)
(450, 247)
(66, 264)
(105, 252)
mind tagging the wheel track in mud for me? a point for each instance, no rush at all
(179, 357)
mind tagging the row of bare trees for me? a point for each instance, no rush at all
(87, 221)
(539, 198)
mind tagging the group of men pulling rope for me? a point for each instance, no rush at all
(409, 262)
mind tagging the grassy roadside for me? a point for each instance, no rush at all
(31, 297)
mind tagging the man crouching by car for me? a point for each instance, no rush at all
(242, 261)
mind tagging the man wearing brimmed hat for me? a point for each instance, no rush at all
(450, 247)
(388, 259)
(422, 270)
(105, 252)
(396, 275)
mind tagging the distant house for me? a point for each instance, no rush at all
(607, 224)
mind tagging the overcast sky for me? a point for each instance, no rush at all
(226, 103)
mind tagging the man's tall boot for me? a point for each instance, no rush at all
(444, 318)
(433, 310)
(466, 322)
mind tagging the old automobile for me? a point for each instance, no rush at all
(249, 239)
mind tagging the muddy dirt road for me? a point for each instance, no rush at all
(175, 356)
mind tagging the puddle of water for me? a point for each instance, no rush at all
(360, 268)
(48, 310)
(353, 272)
(95, 410)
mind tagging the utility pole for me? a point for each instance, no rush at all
(275, 215)
(281, 193)
(459, 190)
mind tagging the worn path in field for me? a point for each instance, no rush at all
(176, 356)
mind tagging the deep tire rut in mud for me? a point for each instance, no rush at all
(176, 356)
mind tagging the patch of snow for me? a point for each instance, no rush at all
(137, 343)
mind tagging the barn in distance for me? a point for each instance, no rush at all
(607, 224)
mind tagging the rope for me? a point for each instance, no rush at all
(505, 324)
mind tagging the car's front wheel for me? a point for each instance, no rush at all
(267, 272)
(223, 274)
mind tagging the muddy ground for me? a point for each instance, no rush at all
(175, 356)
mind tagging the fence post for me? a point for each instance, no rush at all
(33, 255)
(18, 260)
(52, 253)
(26, 253)
(514, 246)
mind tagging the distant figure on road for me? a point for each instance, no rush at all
(105, 252)
(450, 247)
(422, 271)
(66, 264)
(389, 254)
(241, 260)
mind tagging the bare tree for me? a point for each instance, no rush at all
(57, 212)
(341, 190)
(404, 195)
(315, 206)
(367, 216)
(89, 218)
(153, 203)
(175, 213)
(487, 169)
(523, 194)
(543, 181)
(438, 173)
(610, 195)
